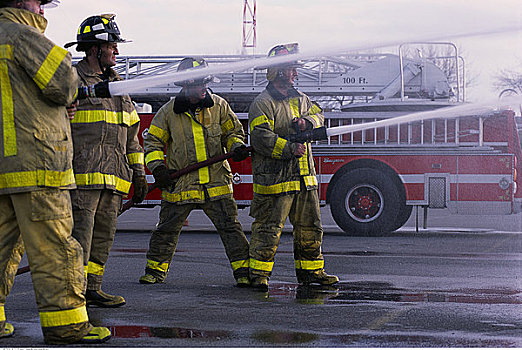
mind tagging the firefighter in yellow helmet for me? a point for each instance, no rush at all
(285, 183)
(37, 82)
(107, 155)
(195, 126)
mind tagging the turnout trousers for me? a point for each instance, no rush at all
(95, 214)
(40, 222)
(222, 213)
(270, 213)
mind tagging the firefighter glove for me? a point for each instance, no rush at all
(162, 177)
(100, 89)
(240, 153)
(316, 134)
(140, 188)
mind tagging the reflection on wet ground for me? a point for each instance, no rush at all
(348, 293)
(287, 338)
(357, 292)
(166, 332)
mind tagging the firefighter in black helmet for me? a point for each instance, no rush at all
(195, 126)
(107, 155)
(285, 183)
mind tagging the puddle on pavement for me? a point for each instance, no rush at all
(302, 338)
(358, 292)
(275, 337)
(166, 332)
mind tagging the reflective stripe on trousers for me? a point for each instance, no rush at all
(222, 213)
(43, 220)
(270, 213)
(95, 215)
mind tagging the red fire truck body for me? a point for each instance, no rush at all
(372, 179)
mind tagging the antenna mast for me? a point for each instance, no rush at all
(249, 26)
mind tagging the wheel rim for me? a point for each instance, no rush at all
(364, 203)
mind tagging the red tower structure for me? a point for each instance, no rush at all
(249, 26)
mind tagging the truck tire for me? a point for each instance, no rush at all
(404, 215)
(365, 202)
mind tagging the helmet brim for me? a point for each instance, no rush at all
(196, 82)
(49, 4)
(121, 41)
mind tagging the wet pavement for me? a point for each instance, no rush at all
(444, 287)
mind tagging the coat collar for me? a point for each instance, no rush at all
(24, 17)
(276, 95)
(83, 66)
(182, 103)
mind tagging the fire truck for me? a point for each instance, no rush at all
(372, 179)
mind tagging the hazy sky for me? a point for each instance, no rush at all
(179, 27)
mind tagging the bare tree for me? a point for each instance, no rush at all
(508, 82)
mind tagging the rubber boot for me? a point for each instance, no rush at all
(316, 277)
(97, 335)
(102, 299)
(243, 282)
(149, 279)
(259, 283)
(7, 330)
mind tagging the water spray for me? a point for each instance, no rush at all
(139, 84)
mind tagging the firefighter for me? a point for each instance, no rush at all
(107, 155)
(195, 126)
(37, 82)
(285, 183)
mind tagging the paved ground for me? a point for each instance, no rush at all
(441, 287)
(438, 219)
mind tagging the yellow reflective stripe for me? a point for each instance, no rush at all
(196, 194)
(130, 118)
(135, 158)
(103, 179)
(159, 133)
(49, 66)
(315, 109)
(6, 52)
(2, 313)
(227, 126)
(85, 270)
(9, 131)
(156, 155)
(95, 269)
(294, 107)
(109, 117)
(63, 318)
(309, 264)
(219, 190)
(277, 152)
(201, 150)
(303, 163)
(277, 188)
(49, 178)
(261, 265)
(163, 267)
(185, 195)
(239, 264)
(233, 140)
(261, 120)
(310, 180)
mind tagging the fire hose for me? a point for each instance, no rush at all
(301, 137)
(322, 133)
(173, 175)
